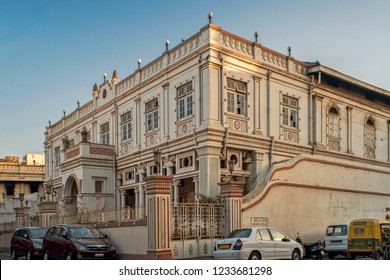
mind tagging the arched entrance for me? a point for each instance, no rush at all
(71, 191)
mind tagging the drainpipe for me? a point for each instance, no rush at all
(225, 145)
(271, 151)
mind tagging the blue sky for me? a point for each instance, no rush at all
(52, 52)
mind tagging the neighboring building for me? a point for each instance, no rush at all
(17, 178)
(312, 143)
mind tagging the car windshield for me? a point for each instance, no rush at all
(37, 233)
(336, 230)
(84, 232)
(240, 233)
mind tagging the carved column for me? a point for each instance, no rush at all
(123, 198)
(195, 179)
(175, 184)
(231, 194)
(159, 216)
(141, 202)
(136, 192)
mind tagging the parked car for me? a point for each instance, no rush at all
(336, 240)
(257, 243)
(76, 242)
(27, 242)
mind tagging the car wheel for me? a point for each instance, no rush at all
(296, 255)
(69, 256)
(255, 256)
(46, 255)
(378, 256)
(319, 256)
(13, 254)
(28, 255)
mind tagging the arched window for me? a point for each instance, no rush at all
(370, 137)
(370, 132)
(334, 122)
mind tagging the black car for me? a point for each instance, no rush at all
(76, 242)
(27, 242)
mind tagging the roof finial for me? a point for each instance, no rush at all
(95, 88)
(210, 15)
(115, 75)
(167, 45)
(289, 50)
(256, 35)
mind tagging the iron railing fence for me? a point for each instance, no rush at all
(197, 221)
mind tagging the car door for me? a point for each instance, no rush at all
(62, 243)
(265, 243)
(16, 242)
(24, 242)
(54, 244)
(282, 244)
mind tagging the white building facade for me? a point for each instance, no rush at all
(311, 143)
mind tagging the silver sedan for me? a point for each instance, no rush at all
(257, 243)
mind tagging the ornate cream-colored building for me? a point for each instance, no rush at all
(21, 185)
(311, 143)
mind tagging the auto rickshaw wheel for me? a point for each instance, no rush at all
(378, 255)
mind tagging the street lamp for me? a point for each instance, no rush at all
(157, 159)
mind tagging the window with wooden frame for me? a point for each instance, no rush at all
(57, 156)
(236, 97)
(185, 101)
(333, 122)
(126, 126)
(151, 110)
(105, 133)
(290, 111)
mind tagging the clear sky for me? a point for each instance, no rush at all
(53, 51)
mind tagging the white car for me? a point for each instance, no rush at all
(257, 243)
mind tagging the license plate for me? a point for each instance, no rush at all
(223, 246)
(99, 255)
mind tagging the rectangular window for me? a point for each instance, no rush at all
(334, 130)
(236, 97)
(290, 111)
(185, 100)
(126, 126)
(105, 134)
(370, 136)
(151, 115)
(98, 186)
(57, 156)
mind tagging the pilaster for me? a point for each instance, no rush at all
(158, 190)
(231, 194)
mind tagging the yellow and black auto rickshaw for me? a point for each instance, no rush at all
(369, 237)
